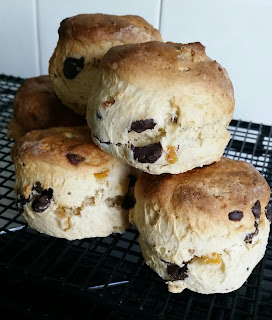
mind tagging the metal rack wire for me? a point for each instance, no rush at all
(44, 278)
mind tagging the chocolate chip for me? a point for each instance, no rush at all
(249, 237)
(72, 67)
(142, 125)
(98, 116)
(42, 202)
(74, 158)
(38, 187)
(256, 209)
(147, 154)
(236, 215)
(128, 202)
(21, 201)
(176, 272)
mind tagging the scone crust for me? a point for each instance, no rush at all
(203, 198)
(170, 66)
(53, 147)
(15, 130)
(103, 27)
(36, 106)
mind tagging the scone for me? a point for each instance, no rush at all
(36, 106)
(205, 229)
(162, 107)
(83, 40)
(67, 187)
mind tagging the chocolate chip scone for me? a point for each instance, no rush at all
(83, 40)
(36, 106)
(162, 107)
(205, 229)
(67, 187)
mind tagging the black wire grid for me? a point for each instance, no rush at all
(42, 277)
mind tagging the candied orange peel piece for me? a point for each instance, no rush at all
(214, 258)
(101, 175)
(171, 155)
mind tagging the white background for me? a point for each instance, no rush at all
(236, 33)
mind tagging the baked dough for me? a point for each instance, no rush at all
(161, 107)
(83, 41)
(67, 187)
(205, 229)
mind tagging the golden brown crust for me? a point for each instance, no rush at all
(68, 147)
(102, 27)
(170, 66)
(15, 130)
(36, 106)
(205, 197)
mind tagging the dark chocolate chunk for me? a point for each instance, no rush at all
(142, 125)
(98, 116)
(267, 211)
(176, 272)
(249, 237)
(38, 187)
(147, 154)
(128, 202)
(42, 202)
(21, 201)
(236, 215)
(74, 158)
(72, 67)
(256, 209)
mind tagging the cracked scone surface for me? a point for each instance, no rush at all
(67, 187)
(162, 107)
(83, 40)
(205, 229)
(36, 107)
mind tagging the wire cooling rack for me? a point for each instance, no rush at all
(42, 277)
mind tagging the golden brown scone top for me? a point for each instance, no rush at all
(176, 66)
(36, 106)
(204, 197)
(71, 148)
(103, 27)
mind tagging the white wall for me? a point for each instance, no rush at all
(236, 33)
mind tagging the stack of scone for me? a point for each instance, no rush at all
(161, 108)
